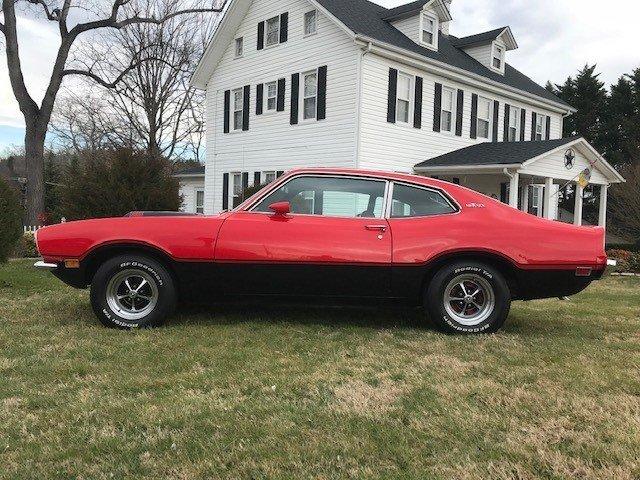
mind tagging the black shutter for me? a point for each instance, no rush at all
(393, 95)
(496, 112)
(507, 117)
(245, 108)
(548, 134)
(260, 35)
(227, 109)
(503, 192)
(284, 27)
(256, 178)
(474, 116)
(245, 183)
(225, 191)
(322, 93)
(417, 107)
(437, 108)
(295, 91)
(259, 98)
(282, 85)
(534, 118)
(279, 173)
(523, 121)
(459, 112)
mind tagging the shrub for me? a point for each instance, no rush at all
(113, 183)
(627, 261)
(10, 220)
(27, 246)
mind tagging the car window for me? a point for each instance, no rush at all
(418, 202)
(329, 196)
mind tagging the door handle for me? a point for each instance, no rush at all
(376, 228)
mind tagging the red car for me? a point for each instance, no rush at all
(337, 234)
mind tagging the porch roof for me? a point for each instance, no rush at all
(495, 153)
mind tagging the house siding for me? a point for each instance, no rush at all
(410, 27)
(553, 165)
(272, 143)
(188, 188)
(398, 147)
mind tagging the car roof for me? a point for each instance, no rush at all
(394, 176)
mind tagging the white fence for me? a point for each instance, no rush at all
(31, 228)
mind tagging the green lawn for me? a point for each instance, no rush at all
(297, 392)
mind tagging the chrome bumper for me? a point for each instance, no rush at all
(45, 266)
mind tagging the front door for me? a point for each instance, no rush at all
(334, 242)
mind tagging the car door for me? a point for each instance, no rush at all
(334, 241)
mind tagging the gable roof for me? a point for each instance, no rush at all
(366, 18)
(495, 153)
(485, 37)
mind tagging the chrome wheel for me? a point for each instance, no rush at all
(132, 294)
(469, 299)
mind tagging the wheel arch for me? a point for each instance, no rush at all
(503, 264)
(99, 255)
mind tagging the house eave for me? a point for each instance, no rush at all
(459, 168)
(405, 56)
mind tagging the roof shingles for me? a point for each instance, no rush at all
(366, 18)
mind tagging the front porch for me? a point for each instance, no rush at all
(554, 179)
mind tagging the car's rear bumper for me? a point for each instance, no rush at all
(41, 265)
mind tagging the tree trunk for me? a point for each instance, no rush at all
(34, 160)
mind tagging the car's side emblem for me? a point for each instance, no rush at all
(475, 205)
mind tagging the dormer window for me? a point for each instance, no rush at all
(429, 30)
(498, 57)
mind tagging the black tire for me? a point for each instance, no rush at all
(461, 279)
(155, 301)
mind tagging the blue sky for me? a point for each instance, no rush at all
(556, 38)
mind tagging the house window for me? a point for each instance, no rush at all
(310, 22)
(273, 31)
(448, 106)
(199, 201)
(238, 109)
(498, 57)
(541, 126)
(310, 95)
(239, 47)
(484, 117)
(269, 177)
(237, 189)
(514, 124)
(403, 106)
(271, 97)
(429, 30)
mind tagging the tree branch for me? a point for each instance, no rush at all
(119, 78)
(53, 15)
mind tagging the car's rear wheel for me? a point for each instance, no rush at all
(132, 291)
(468, 297)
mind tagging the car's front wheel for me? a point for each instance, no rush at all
(132, 291)
(468, 297)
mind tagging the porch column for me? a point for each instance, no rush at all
(548, 186)
(525, 197)
(577, 211)
(513, 190)
(602, 217)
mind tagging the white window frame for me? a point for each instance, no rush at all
(303, 97)
(436, 27)
(541, 121)
(489, 119)
(304, 23)
(495, 56)
(269, 173)
(267, 97)
(232, 190)
(238, 41)
(412, 80)
(234, 109)
(514, 114)
(195, 200)
(453, 110)
(266, 32)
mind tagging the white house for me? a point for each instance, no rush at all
(348, 83)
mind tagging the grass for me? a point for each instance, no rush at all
(298, 392)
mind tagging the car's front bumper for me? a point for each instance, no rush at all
(46, 266)
(74, 277)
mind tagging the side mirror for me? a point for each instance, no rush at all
(280, 208)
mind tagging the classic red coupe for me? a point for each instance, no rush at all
(334, 234)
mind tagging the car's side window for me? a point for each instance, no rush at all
(329, 196)
(418, 202)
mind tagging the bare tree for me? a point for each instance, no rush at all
(153, 106)
(624, 204)
(114, 15)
